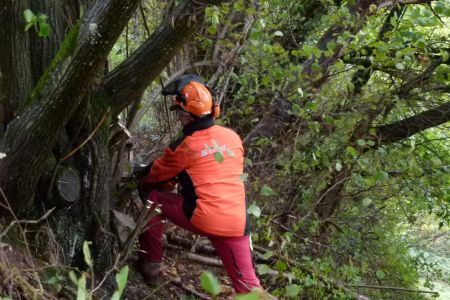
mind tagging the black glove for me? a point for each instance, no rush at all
(138, 173)
(143, 190)
(141, 170)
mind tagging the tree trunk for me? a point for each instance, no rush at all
(56, 88)
(64, 74)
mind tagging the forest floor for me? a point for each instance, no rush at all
(181, 274)
(180, 278)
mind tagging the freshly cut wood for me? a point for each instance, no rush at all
(68, 185)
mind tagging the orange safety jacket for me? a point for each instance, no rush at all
(208, 163)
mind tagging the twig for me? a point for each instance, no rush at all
(152, 295)
(218, 263)
(149, 212)
(22, 232)
(215, 262)
(90, 136)
(393, 288)
(25, 222)
(190, 290)
(147, 30)
(166, 111)
(195, 244)
(317, 202)
(106, 275)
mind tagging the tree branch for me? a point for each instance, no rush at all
(405, 128)
(128, 81)
(389, 3)
(277, 114)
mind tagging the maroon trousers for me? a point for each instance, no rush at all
(233, 251)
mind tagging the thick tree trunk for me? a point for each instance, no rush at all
(36, 142)
(128, 81)
(15, 66)
(57, 95)
(67, 104)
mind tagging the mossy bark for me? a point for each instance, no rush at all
(51, 122)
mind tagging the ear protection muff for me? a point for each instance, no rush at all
(216, 109)
(180, 99)
(215, 106)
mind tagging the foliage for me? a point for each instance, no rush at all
(335, 200)
(83, 292)
(121, 279)
(210, 283)
(389, 187)
(39, 22)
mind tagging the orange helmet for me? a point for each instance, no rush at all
(191, 95)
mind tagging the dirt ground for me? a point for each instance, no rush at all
(180, 279)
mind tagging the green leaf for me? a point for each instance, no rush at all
(293, 290)
(210, 283)
(267, 191)
(278, 33)
(214, 19)
(380, 175)
(121, 279)
(338, 166)
(366, 201)
(248, 162)
(249, 296)
(87, 253)
(267, 255)
(44, 29)
(42, 18)
(400, 66)
(73, 277)
(281, 266)
(262, 269)
(243, 177)
(380, 274)
(29, 15)
(28, 26)
(218, 157)
(52, 280)
(254, 210)
(361, 142)
(372, 8)
(352, 151)
(296, 109)
(82, 292)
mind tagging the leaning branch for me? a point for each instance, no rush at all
(5, 232)
(405, 128)
(127, 82)
(389, 3)
(278, 114)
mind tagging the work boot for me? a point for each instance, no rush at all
(151, 272)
